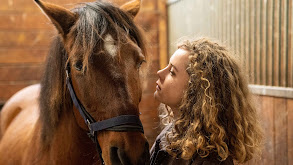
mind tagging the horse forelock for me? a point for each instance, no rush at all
(97, 21)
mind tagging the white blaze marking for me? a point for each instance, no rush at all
(110, 46)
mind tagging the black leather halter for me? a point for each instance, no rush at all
(123, 123)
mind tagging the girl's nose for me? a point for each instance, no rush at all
(161, 73)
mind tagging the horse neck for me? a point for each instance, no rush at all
(70, 144)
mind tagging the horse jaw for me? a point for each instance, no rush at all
(131, 7)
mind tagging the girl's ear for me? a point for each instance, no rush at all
(131, 7)
(62, 18)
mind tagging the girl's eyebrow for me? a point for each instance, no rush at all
(174, 67)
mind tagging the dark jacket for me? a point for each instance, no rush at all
(159, 155)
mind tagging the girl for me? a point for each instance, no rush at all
(209, 115)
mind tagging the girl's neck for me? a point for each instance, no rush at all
(175, 111)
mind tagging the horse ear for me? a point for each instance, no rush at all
(131, 7)
(62, 18)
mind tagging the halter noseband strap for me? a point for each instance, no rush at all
(121, 123)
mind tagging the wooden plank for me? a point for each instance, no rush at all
(282, 45)
(251, 40)
(30, 6)
(257, 60)
(232, 25)
(276, 38)
(24, 21)
(290, 44)
(237, 20)
(20, 73)
(269, 44)
(7, 90)
(290, 130)
(25, 38)
(149, 20)
(212, 16)
(263, 43)
(147, 99)
(221, 23)
(211, 7)
(256, 160)
(229, 23)
(267, 122)
(225, 21)
(150, 5)
(281, 128)
(236, 34)
(163, 33)
(216, 6)
(242, 32)
(239, 28)
(22, 56)
(246, 11)
(18, 5)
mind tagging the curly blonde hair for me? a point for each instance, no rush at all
(217, 114)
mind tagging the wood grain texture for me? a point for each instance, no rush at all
(290, 130)
(22, 56)
(8, 89)
(20, 73)
(267, 121)
(25, 39)
(281, 131)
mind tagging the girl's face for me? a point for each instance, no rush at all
(173, 80)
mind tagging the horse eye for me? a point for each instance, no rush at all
(78, 65)
(140, 63)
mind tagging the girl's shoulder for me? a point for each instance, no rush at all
(161, 137)
(166, 129)
(160, 156)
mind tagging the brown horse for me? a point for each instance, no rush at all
(98, 52)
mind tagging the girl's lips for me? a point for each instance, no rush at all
(158, 87)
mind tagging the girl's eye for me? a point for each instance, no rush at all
(172, 73)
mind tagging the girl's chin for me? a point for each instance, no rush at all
(157, 97)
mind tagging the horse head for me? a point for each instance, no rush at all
(104, 51)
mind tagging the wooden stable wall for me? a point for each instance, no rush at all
(25, 35)
(24, 39)
(276, 116)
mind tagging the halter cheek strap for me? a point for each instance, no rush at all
(123, 123)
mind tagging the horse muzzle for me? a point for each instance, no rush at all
(119, 156)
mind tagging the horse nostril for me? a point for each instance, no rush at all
(119, 157)
(147, 145)
(145, 157)
(114, 155)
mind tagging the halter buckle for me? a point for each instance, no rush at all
(67, 74)
(88, 124)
